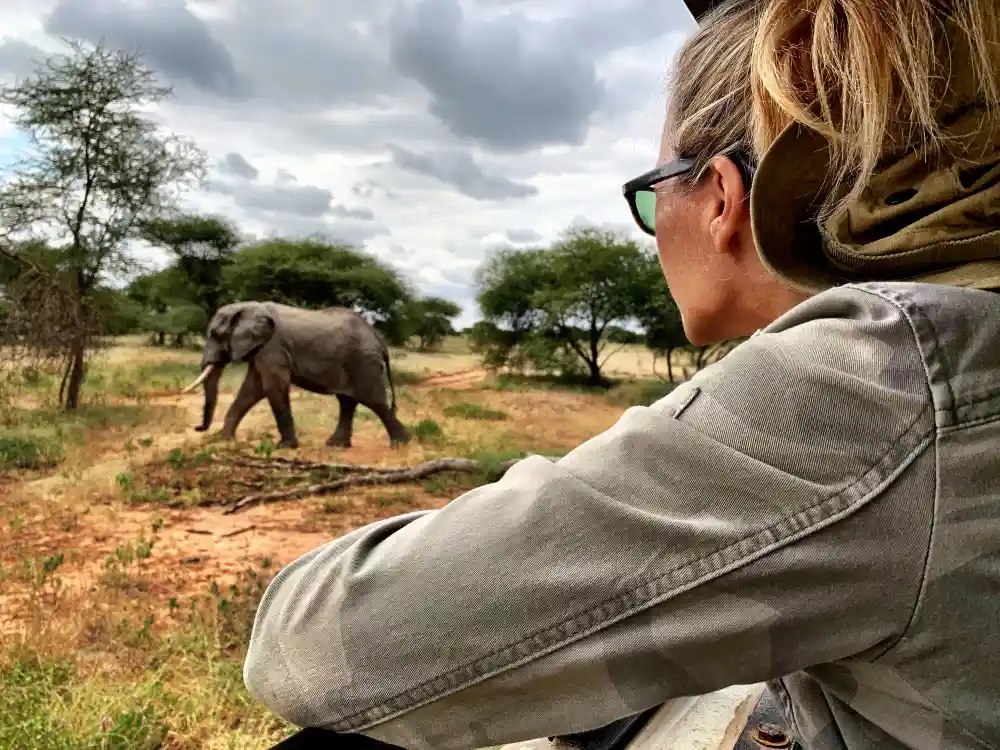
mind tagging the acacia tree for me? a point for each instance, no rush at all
(507, 283)
(100, 172)
(36, 310)
(555, 308)
(602, 279)
(430, 320)
(202, 247)
(165, 298)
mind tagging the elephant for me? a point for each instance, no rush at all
(331, 351)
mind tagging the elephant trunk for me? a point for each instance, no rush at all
(211, 395)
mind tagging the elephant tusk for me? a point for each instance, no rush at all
(200, 379)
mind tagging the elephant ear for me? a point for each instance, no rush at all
(252, 329)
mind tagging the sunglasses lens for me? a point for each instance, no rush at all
(645, 204)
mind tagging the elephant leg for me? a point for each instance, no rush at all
(281, 406)
(341, 437)
(398, 434)
(249, 394)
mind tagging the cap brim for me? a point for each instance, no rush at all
(701, 8)
(787, 192)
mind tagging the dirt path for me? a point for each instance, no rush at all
(457, 380)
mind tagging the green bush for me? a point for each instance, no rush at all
(427, 431)
(29, 451)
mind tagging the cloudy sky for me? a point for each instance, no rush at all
(428, 131)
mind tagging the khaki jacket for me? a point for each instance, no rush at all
(821, 509)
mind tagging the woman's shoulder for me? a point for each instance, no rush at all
(886, 348)
(904, 303)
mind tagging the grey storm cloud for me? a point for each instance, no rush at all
(365, 189)
(460, 170)
(508, 81)
(607, 27)
(320, 54)
(522, 236)
(370, 188)
(358, 212)
(290, 199)
(504, 81)
(18, 58)
(349, 232)
(304, 200)
(233, 163)
(170, 37)
(433, 77)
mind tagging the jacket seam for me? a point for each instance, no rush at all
(975, 400)
(967, 425)
(893, 298)
(972, 416)
(926, 567)
(908, 312)
(801, 524)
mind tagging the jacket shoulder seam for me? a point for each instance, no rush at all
(925, 342)
(909, 312)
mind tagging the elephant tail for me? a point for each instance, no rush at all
(388, 372)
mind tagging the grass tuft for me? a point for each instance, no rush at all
(639, 392)
(467, 410)
(427, 431)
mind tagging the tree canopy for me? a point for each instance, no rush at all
(555, 308)
(315, 274)
(210, 268)
(430, 320)
(99, 172)
(202, 247)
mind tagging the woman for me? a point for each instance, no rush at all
(819, 510)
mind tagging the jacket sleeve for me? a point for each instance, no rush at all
(731, 533)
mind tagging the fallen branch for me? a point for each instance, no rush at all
(244, 530)
(363, 476)
(296, 464)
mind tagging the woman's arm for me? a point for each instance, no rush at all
(734, 532)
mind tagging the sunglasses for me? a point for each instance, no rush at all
(641, 194)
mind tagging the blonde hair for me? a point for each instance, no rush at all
(710, 91)
(874, 77)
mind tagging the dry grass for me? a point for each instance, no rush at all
(123, 618)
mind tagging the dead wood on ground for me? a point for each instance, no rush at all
(354, 475)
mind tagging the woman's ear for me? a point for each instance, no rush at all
(252, 328)
(732, 206)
